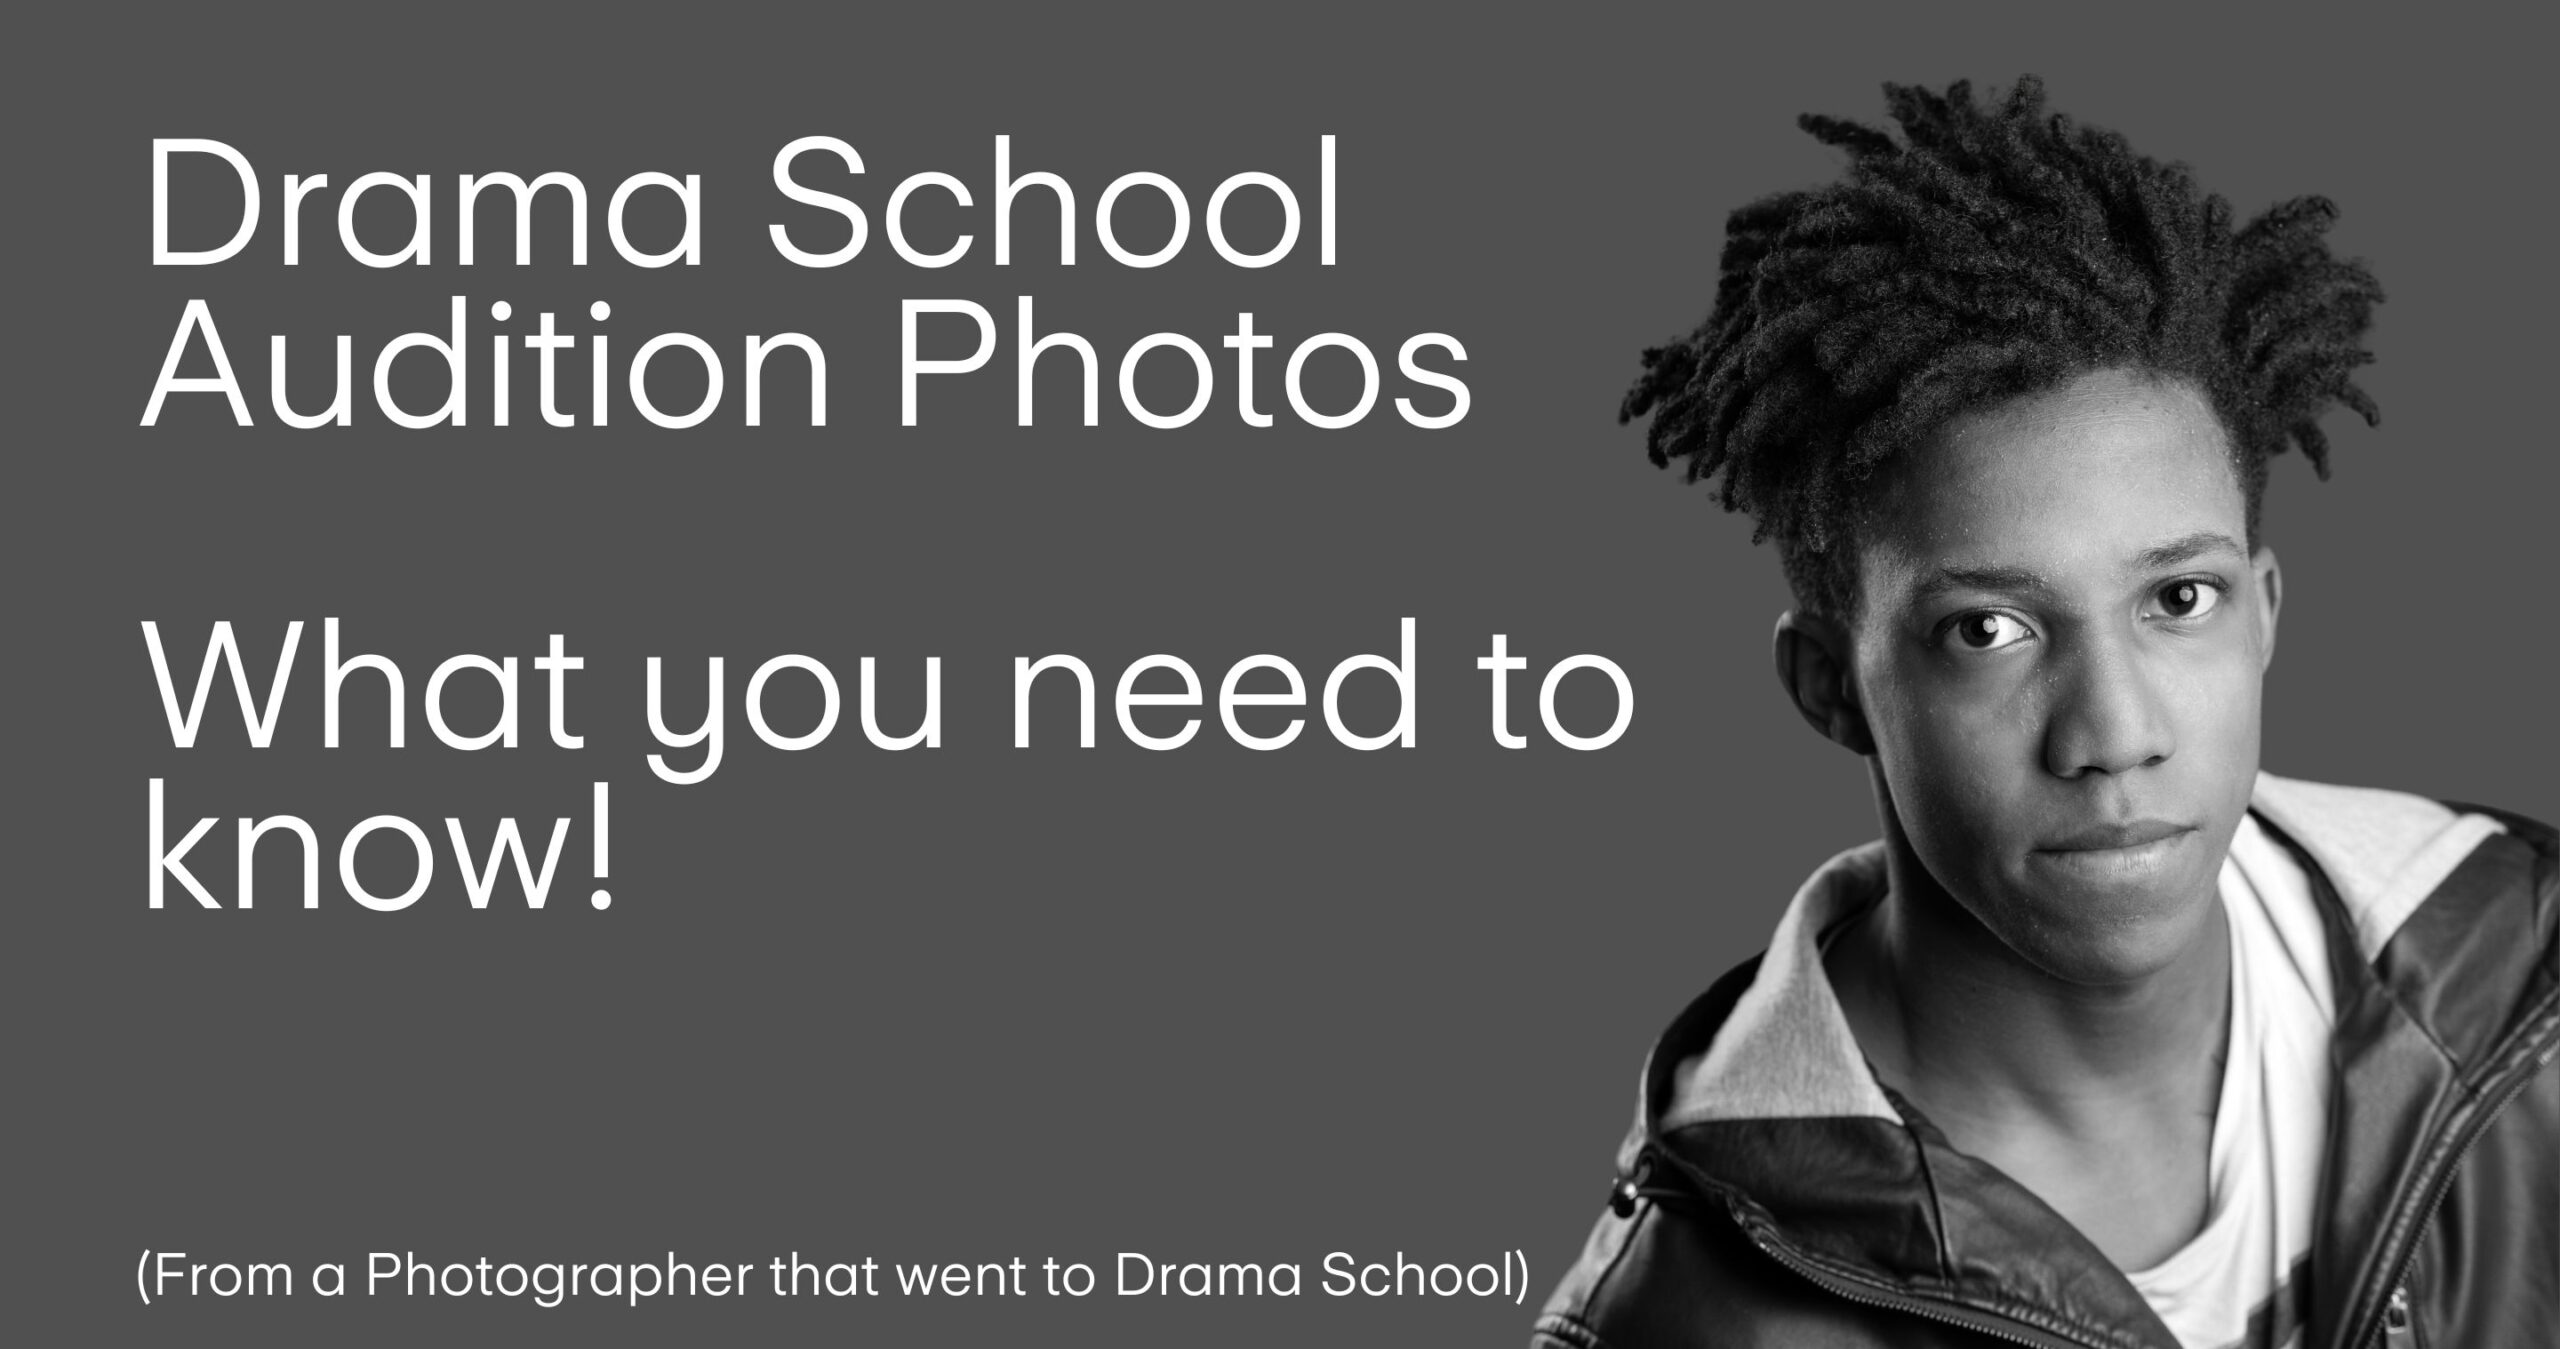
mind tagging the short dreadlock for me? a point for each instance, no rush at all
(1994, 251)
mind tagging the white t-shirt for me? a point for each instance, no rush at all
(2244, 1279)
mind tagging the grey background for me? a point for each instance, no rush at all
(978, 1002)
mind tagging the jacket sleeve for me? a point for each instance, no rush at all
(1567, 1321)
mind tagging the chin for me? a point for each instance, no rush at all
(2109, 936)
(2099, 961)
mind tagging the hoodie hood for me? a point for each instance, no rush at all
(1785, 1049)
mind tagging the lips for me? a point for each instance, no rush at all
(2130, 858)
(2109, 837)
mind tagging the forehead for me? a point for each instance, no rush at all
(2075, 482)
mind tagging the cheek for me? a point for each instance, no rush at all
(2220, 714)
(1956, 758)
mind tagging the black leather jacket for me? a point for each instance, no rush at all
(2440, 1211)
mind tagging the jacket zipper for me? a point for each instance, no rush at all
(1981, 1323)
(2397, 1332)
(2396, 1328)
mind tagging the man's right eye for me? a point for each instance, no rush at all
(1986, 630)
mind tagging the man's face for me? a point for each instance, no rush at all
(2058, 650)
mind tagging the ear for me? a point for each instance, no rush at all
(2270, 582)
(1814, 669)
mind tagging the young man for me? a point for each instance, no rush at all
(2111, 1040)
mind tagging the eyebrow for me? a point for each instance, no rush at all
(1944, 579)
(2187, 549)
(2017, 580)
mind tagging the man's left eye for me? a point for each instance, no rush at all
(2189, 599)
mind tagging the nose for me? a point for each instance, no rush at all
(2109, 713)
